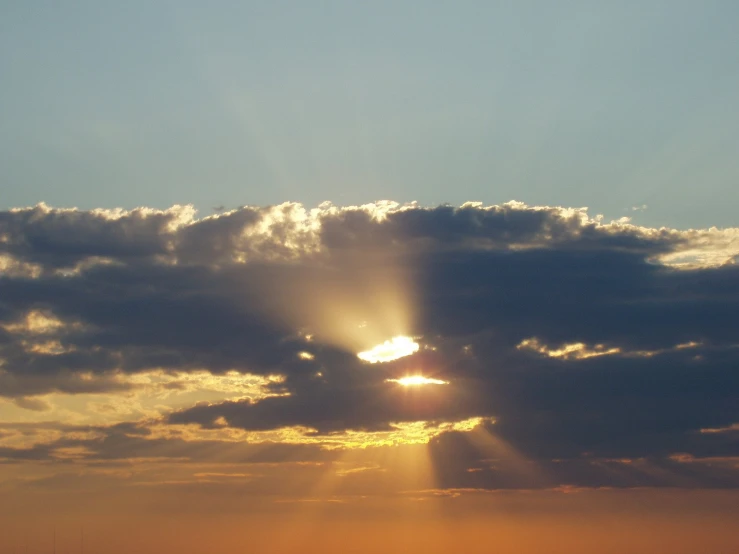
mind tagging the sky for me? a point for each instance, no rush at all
(402, 277)
(609, 105)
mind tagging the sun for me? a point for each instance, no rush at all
(417, 380)
(390, 350)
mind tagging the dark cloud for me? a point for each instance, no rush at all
(141, 290)
(484, 459)
(62, 238)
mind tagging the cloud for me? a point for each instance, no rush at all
(34, 404)
(585, 341)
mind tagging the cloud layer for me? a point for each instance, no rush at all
(605, 354)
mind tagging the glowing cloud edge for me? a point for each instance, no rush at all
(416, 380)
(390, 350)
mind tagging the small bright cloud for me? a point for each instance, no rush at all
(389, 350)
(417, 380)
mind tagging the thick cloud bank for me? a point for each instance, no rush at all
(575, 339)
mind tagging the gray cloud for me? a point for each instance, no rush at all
(140, 290)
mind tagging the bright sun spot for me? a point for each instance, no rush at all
(389, 350)
(416, 380)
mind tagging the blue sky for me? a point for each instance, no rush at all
(607, 105)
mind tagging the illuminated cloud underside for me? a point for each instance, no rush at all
(582, 351)
(417, 380)
(390, 350)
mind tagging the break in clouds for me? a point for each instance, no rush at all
(606, 353)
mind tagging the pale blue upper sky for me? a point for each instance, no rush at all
(602, 104)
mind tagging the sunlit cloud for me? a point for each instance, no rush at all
(148, 394)
(417, 380)
(157, 335)
(35, 322)
(582, 351)
(390, 350)
(577, 350)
